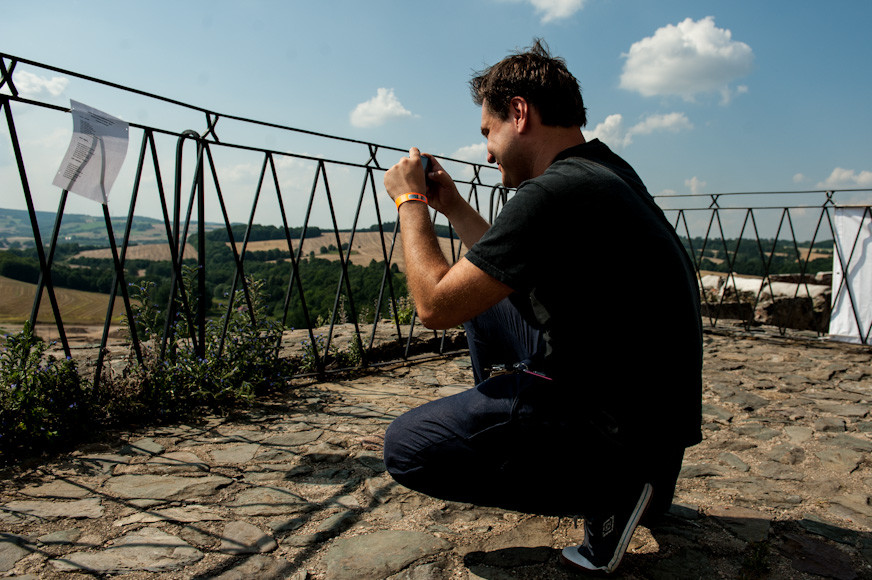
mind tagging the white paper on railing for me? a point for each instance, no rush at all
(96, 153)
(852, 288)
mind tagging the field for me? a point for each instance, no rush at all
(157, 252)
(366, 247)
(77, 307)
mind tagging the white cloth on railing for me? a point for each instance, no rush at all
(852, 275)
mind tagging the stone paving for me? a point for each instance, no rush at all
(296, 488)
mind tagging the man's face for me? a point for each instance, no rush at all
(503, 147)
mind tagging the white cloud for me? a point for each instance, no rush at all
(378, 110)
(687, 59)
(552, 10)
(31, 85)
(847, 178)
(476, 153)
(798, 178)
(695, 184)
(612, 131)
(672, 122)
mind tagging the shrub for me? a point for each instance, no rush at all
(175, 380)
(405, 309)
(43, 402)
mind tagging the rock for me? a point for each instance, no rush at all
(148, 549)
(58, 489)
(379, 554)
(843, 460)
(177, 462)
(798, 435)
(293, 438)
(12, 549)
(701, 470)
(104, 462)
(812, 556)
(145, 446)
(830, 425)
(67, 536)
(261, 567)
(166, 487)
(244, 538)
(337, 523)
(267, 501)
(190, 513)
(747, 524)
(237, 454)
(82, 508)
(527, 543)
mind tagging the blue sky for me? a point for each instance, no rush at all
(699, 96)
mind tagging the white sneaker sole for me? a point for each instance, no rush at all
(573, 557)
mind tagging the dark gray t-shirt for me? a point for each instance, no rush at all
(595, 265)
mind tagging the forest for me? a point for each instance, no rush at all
(759, 258)
(320, 278)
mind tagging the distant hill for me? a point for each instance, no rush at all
(86, 230)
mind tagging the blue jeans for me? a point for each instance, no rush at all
(516, 441)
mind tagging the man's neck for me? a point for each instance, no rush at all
(552, 141)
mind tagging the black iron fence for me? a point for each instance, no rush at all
(203, 193)
(802, 264)
(189, 180)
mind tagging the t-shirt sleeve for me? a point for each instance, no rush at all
(508, 250)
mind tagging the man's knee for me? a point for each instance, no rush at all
(396, 452)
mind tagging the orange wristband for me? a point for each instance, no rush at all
(410, 196)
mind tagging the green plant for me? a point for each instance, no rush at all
(756, 563)
(404, 309)
(43, 402)
(238, 358)
(316, 350)
(313, 351)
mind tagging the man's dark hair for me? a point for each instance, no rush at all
(541, 79)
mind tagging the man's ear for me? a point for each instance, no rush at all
(519, 112)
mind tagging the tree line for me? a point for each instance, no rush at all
(319, 279)
(758, 258)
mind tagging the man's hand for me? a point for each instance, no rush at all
(442, 193)
(407, 176)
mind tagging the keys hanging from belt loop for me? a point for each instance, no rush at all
(522, 367)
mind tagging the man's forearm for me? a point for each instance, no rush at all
(467, 222)
(425, 263)
(445, 295)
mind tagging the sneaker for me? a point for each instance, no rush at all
(607, 535)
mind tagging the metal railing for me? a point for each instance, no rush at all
(759, 262)
(202, 198)
(197, 188)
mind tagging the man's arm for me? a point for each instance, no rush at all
(442, 195)
(444, 295)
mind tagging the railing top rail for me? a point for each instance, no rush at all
(211, 115)
(763, 200)
(732, 193)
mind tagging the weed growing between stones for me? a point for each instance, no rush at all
(174, 379)
(404, 309)
(756, 564)
(47, 406)
(316, 356)
(43, 401)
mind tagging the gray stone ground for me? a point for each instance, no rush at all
(295, 488)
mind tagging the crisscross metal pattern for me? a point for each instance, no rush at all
(197, 166)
